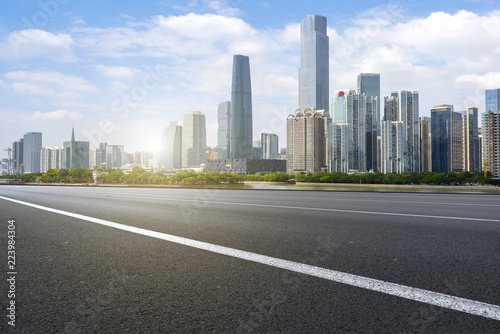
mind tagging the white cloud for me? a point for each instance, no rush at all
(118, 71)
(55, 115)
(50, 84)
(32, 43)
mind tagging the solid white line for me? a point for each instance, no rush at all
(469, 306)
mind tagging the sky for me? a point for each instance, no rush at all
(121, 71)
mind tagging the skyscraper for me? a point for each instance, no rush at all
(393, 145)
(75, 153)
(314, 63)
(369, 84)
(470, 141)
(425, 144)
(306, 141)
(194, 139)
(223, 113)
(270, 145)
(171, 147)
(351, 108)
(17, 156)
(32, 148)
(492, 99)
(491, 141)
(403, 106)
(240, 117)
(446, 134)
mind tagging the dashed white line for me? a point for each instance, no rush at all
(469, 306)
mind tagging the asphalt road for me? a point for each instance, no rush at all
(365, 254)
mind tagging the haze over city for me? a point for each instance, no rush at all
(126, 74)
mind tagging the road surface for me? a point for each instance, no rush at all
(115, 260)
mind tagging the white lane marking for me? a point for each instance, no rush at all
(469, 306)
(199, 200)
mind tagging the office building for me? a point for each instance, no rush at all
(223, 113)
(306, 141)
(75, 153)
(269, 143)
(114, 156)
(314, 64)
(403, 106)
(32, 148)
(492, 100)
(393, 146)
(194, 139)
(491, 142)
(45, 159)
(425, 144)
(369, 84)
(470, 141)
(17, 156)
(240, 116)
(171, 147)
(446, 134)
(346, 138)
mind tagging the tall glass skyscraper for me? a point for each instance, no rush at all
(171, 147)
(492, 98)
(223, 113)
(240, 117)
(194, 139)
(314, 67)
(32, 149)
(369, 84)
(76, 153)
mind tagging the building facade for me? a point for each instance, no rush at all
(393, 146)
(314, 63)
(194, 139)
(403, 106)
(171, 147)
(223, 113)
(470, 141)
(17, 156)
(306, 141)
(446, 134)
(491, 142)
(425, 144)
(240, 116)
(32, 148)
(75, 153)
(269, 142)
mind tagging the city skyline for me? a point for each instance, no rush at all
(51, 78)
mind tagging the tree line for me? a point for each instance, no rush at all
(140, 176)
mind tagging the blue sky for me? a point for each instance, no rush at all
(120, 71)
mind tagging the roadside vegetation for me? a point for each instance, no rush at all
(140, 176)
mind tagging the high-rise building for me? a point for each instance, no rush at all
(223, 113)
(270, 145)
(194, 139)
(403, 106)
(240, 117)
(45, 159)
(17, 156)
(425, 144)
(306, 141)
(114, 156)
(470, 141)
(491, 142)
(492, 99)
(171, 147)
(352, 109)
(56, 159)
(314, 63)
(369, 84)
(32, 148)
(393, 144)
(446, 134)
(75, 153)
